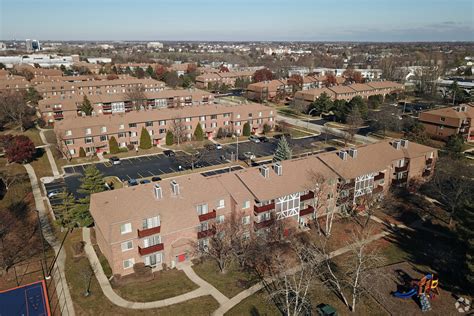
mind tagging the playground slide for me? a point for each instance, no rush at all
(406, 294)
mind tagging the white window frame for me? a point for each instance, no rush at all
(220, 204)
(131, 261)
(246, 205)
(125, 228)
(127, 245)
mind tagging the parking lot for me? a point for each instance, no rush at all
(159, 164)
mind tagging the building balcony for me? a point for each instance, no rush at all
(148, 232)
(380, 176)
(58, 116)
(207, 216)
(399, 181)
(306, 211)
(206, 233)
(263, 224)
(151, 249)
(264, 208)
(429, 161)
(307, 196)
(401, 169)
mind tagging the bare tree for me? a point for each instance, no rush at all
(9, 177)
(354, 120)
(190, 160)
(321, 187)
(13, 108)
(62, 146)
(137, 95)
(178, 129)
(87, 273)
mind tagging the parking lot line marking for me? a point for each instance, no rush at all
(141, 176)
(151, 173)
(172, 169)
(73, 170)
(128, 177)
(83, 169)
(148, 157)
(162, 172)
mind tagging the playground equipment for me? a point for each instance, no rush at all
(424, 288)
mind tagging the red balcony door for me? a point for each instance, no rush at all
(181, 257)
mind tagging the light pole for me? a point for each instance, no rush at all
(237, 145)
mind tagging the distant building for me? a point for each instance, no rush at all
(154, 45)
(43, 60)
(32, 45)
(99, 60)
(3, 46)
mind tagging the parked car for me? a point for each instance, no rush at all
(249, 155)
(115, 160)
(254, 139)
(169, 153)
(132, 182)
(53, 193)
(263, 139)
(222, 158)
(145, 181)
(218, 146)
(155, 179)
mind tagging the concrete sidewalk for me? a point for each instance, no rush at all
(49, 153)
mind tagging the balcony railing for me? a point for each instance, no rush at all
(207, 216)
(306, 211)
(401, 169)
(263, 208)
(148, 232)
(307, 196)
(380, 176)
(58, 116)
(263, 224)
(206, 233)
(151, 249)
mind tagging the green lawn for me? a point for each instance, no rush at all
(230, 284)
(32, 133)
(98, 304)
(256, 304)
(166, 284)
(41, 164)
(132, 153)
(50, 136)
(103, 262)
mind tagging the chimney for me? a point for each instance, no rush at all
(343, 154)
(175, 187)
(158, 192)
(404, 143)
(278, 168)
(264, 171)
(353, 152)
(396, 144)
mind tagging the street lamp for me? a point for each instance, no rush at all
(237, 145)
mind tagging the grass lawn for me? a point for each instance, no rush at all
(133, 153)
(256, 304)
(115, 181)
(41, 164)
(32, 133)
(103, 262)
(98, 304)
(298, 133)
(166, 284)
(230, 283)
(50, 136)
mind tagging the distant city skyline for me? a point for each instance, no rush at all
(243, 20)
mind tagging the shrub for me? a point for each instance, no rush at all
(220, 133)
(198, 132)
(41, 122)
(130, 146)
(113, 145)
(169, 138)
(246, 131)
(19, 149)
(145, 139)
(266, 128)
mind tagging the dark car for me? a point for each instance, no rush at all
(155, 179)
(145, 181)
(169, 153)
(263, 139)
(115, 160)
(132, 182)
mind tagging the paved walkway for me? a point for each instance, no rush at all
(62, 289)
(49, 153)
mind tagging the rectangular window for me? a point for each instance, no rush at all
(68, 133)
(151, 222)
(127, 245)
(103, 129)
(88, 131)
(202, 118)
(153, 260)
(202, 209)
(126, 228)
(246, 220)
(103, 138)
(220, 204)
(213, 117)
(188, 119)
(162, 123)
(121, 126)
(151, 241)
(127, 264)
(220, 219)
(121, 135)
(132, 125)
(246, 205)
(88, 140)
(148, 124)
(69, 141)
(203, 226)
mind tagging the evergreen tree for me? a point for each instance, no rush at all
(220, 133)
(92, 182)
(340, 110)
(169, 138)
(150, 72)
(246, 131)
(359, 103)
(199, 133)
(65, 210)
(323, 104)
(283, 150)
(145, 139)
(455, 145)
(266, 128)
(87, 107)
(82, 152)
(113, 145)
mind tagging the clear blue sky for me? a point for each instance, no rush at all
(318, 20)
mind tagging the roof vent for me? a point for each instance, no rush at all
(462, 108)
(404, 143)
(264, 171)
(396, 144)
(353, 152)
(278, 168)
(343, 154)
(158, 191)
(175, 187)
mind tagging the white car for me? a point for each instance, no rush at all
(249, 155)
(254, 139)
(218, 146)
(53, 193)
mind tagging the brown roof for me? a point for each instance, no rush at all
(385, 85)
(342, 89)
(452, 112)
(360, 87)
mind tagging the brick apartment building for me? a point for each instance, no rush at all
(208, 80)
(58, 108)
(97, 87)
(93, 132)
(163, 222)
(268, 90)
(445, 122)
(340, 92)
